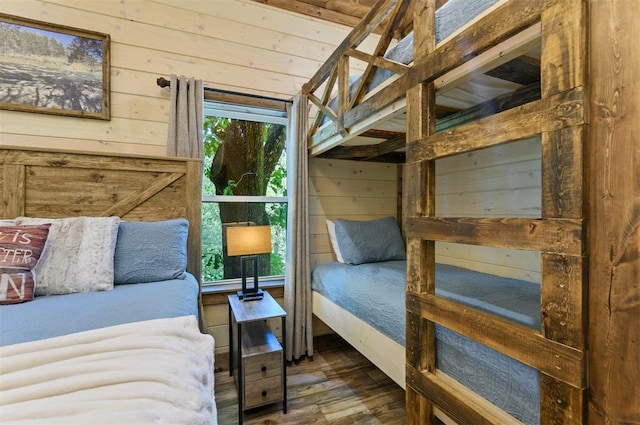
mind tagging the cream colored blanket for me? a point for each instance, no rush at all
(153, 372)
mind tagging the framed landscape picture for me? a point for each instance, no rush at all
(53, 69)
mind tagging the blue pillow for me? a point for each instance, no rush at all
(370, 241)
(151, 251)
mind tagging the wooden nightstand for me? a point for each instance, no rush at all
(257, 359)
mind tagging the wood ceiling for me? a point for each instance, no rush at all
(345, 12)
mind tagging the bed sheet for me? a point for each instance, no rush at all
(56, 315)
(375, 292)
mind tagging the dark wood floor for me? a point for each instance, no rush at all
(339, 386)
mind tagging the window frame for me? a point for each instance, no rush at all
(255, 114)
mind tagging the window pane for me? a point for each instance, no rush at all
(244, 157)
(216, 265)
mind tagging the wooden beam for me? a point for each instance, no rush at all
(343, 93)
(125, 205)
(507, 20)
(13, 190)
(460, 403)
(614, 212)
(380, 62)
(326, 95)
(369, 153)
(550, 114)
(564, 192)
(501, 103)
(383, 43)
(517, 341)
(312, 10)
(355, 37)
(323, 108)
(561, 236)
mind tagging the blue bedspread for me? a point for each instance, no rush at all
(56, 315)
(375, 293)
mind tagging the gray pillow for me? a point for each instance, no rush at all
(369, 241)
(151, 251)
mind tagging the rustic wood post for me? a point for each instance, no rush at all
(614, 235)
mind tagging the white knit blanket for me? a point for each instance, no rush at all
(153, 372)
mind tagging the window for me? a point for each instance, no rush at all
(244, 181)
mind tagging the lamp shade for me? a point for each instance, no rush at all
(248, 240)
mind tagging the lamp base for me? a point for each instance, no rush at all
(251, 296)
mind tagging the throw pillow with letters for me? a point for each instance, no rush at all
(20, 250)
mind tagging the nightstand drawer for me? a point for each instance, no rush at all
(263, 391)
(262, 366)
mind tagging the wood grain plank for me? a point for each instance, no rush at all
(563, 173)
(193, 200)
(508, 19)
(123, 206)
(563, 299)
(614, 212)
(13, 190)
(376, 102)
(376, 14)
(419, 200)
(458, 403)
(520, 342)
(88, 160)
(343, 93)
(560, 403)
(564, 47)
(526, 121)
(548, 235)
(73, 144)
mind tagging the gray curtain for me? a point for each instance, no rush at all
(297, 284)
(185, 138)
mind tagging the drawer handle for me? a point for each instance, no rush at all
(263, 368)
(264, 393)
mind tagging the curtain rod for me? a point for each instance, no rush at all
(163, 82)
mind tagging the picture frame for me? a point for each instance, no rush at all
(54, 69)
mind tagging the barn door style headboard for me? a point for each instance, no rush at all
(55, 184)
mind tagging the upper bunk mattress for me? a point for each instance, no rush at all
(56, 315)
(375, 293)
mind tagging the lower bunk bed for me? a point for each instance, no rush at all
(365, 304)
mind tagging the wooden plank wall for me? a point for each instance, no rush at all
(500, 181)
(351, 190)
(236, 45)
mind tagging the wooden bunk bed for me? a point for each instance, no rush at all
(559, 115)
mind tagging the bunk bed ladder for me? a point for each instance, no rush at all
(558, 349)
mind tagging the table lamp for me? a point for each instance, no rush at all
(248, 242)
